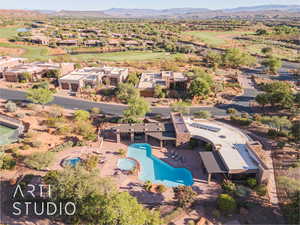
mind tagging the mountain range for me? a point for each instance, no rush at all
(263, 10)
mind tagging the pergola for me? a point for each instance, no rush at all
(212, 163)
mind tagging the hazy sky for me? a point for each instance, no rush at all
(154, 4)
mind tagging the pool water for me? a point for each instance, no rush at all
(72, 162)
(6, 134)
(156, 170)
(126, 164)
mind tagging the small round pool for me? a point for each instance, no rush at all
(126, 164)
(72, 162)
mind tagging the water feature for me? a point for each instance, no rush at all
(156, 170)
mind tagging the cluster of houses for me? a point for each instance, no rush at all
(73, 80)
(87, 38)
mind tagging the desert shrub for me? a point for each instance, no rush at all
(7, 162)
(81, 115)
(161, 188)
(184, 195)
(231, 111)
(21, 115)
(242, 191)
(216, 213)
(11, 106)
(226, 203)
(202, 114)
(121, 152)
(261, 190)
(229, 186)
(64, 130)
(251, 182)
(86, 130)
(241, 121)
(36, 144)
(148, 185)
(91, 162)
(25, 147)
(281, 144)
(95, 110)
(63, 146)
(191, 222)
(39, 161)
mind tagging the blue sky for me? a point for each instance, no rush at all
(153, 4)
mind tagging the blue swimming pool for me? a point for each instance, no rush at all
(72, 162)
(126, 164)
(156, 170)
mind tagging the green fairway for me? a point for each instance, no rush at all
(214, 38)
(31, 52)
(126, 56)
(8, 32)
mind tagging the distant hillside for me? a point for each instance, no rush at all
(19, 13)
(137, 13)
(67, 13)
(289, 8)
(182, 13)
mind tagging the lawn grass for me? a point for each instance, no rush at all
(126, 56)
(31, 52)
(214, 38)
(8, 32)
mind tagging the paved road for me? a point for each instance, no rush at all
(241, 103)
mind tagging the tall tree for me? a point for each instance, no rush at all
(137, 108)
(40, 96)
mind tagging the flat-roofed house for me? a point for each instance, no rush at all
(165, 79)
(8, 62)
(41, 40)
(17, 73)
(233, 153)
(67, 43)
(93, 43)
(93, 76)
(37, 70)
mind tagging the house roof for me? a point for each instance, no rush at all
(212, 162)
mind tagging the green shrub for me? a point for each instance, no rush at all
(63, 146)
(203, 114)
(226, 203)
(21, 115)
(161, 188)
(148, 185)
(261, 190)
(7, 162)
(91, 162)
(242, 191)
(231, 111)
(121, 152)
(95, 110)
(251, 182)
(229, 186)
(241, 121)
(10, 106)
(191, 222)
(36, 144)
(216, 213)
(25, 147)
(39, 161)
(281, 144)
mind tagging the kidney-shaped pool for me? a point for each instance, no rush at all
(156, 170)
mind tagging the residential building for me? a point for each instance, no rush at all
(93, 76)
(67, 43)
(41, 40)
(233, 154)
(166, 79)
(8, 62)
(37, 70)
